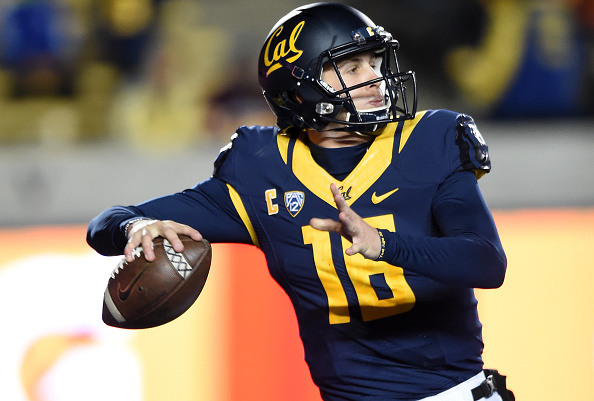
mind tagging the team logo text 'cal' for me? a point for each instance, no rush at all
(294, 202)
(284, 49)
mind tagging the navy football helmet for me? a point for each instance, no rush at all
(317, 35)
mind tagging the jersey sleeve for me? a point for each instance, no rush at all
(206, 207)
(105, 233)
(465, 252)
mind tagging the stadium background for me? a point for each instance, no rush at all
(132, 99)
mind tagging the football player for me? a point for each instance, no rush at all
(368, 212)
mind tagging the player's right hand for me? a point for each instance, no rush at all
(143, 232)
(364, 238)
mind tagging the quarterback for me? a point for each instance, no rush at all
(368, 213)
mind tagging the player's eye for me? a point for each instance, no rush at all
(349, 68)
(352, 70)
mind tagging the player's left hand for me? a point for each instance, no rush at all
(351, 226)
(143, 232)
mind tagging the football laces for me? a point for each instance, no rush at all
(120, 266)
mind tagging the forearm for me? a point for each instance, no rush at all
(466, 260)
(206, 207)
(106, 232)
(466, 252)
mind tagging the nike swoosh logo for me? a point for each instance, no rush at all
(375, 198)
(125, 293)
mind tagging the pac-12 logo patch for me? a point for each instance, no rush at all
(294, 201)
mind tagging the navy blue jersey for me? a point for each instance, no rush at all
(402, 328)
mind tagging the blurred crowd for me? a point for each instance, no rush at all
(499, 59)
(137, 71)
(163, 73)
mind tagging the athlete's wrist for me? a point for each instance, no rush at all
(135, 224)
(382, 250)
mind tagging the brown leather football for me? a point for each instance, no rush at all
(143, 294)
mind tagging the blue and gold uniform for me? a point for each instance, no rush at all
(400, 328)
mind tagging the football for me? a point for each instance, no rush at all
(142, 294)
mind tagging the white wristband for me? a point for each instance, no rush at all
(128, 228)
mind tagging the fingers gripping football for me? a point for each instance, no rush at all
(143, 232)
(143, 294)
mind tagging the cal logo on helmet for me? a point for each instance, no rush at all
(294, 202)
(279, 47)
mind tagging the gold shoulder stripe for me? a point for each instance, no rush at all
(409, 126)
(236, 199)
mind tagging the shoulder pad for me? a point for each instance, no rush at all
(223, 155)
(247, 145)
(474, 152)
